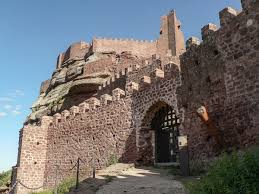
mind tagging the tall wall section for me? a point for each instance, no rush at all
(95, 131)
(222, 74)
(153, 87)
(139, 48)
(32, 156)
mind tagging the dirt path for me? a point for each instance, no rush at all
(126, 179)
(143, 181)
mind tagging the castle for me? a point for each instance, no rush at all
(132, 99)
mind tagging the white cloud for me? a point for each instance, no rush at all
(18, 107)
(5, 99)
(16, 112)
(19, 92)
(8, 106)
(3, 114)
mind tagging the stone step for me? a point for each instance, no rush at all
(167, 164)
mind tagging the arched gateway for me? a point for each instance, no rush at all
(162, 125)
(165, 124)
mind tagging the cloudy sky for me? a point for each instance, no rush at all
(33, 33)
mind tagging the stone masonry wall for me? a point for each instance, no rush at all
(94, 135)
(222, 74)
(147, 100)
(139, 48)
(32, 156)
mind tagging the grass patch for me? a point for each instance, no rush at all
(66, 185)
(63, 187)
(237, 173)
(5, 178)
(174, 170)
(199, 167)
(112, 160)
(109, 178)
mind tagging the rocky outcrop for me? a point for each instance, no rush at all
(78, 76)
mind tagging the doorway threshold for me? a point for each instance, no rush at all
(167, 164)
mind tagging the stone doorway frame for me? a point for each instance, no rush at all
(165, 124)
(146, 136)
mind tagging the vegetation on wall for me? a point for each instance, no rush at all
(237, 173)
(113, 159)
(5, 178)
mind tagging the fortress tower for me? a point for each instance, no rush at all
(171, 40)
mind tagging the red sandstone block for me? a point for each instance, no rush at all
(83, 107)
(192, 41)
(145, 81)
(65, 114)
(208, 30)
(46, 120)
(117, 94)
(136, 67)
(57, 117)
(105, 99)
(74, 110)
(133, 86)
(226, 15)
(158, 73)
(93, 102)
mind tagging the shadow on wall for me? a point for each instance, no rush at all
(130, 154)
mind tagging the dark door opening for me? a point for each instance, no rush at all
(165, 123)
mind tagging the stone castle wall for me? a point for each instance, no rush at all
(221, 73)
(139, 48)
(95, 134)
(154, 91)
(32, 155)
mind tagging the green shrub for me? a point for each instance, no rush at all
(198, 168)
(237, 173)
(5, 178)
(66, 185)
(63, 187)
(112, 160)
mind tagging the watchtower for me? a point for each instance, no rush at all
(171, 40)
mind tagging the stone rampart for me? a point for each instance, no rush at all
(136, 47)
(32, 156)
(222, 74)
(95, 131)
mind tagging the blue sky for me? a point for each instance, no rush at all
(34, 32)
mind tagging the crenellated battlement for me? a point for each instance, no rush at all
(141, 48)
(86, 107)
(228, 16)
(103, 97)
(75, 51)
(124, 40)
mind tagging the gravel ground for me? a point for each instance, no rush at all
(142, 181)
(126, 179)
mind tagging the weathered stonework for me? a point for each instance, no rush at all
(102, 98)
